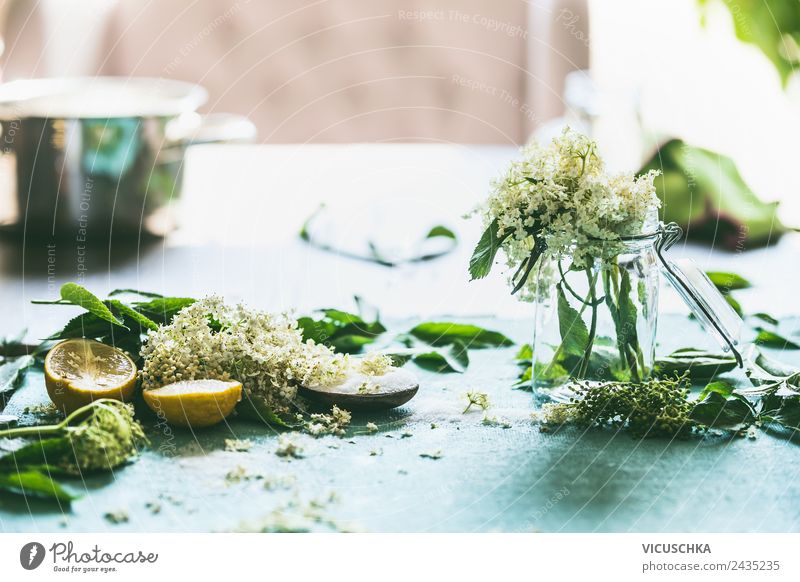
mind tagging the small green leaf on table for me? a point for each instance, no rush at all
(30, 482)
(700, 365)
(766, 317)
(343, 331)
(727, 282)
(440, 230)
(782, 408)
(773, 339)
(524, 355)
(11, 374)
(454, 359)
(718, 406)
(446, 333)
(735, 305)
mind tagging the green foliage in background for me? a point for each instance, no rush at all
(771, 25)
(704, 193)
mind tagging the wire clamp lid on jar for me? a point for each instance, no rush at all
(698, 292)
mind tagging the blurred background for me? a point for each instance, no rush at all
(461, 71)
(335, 90)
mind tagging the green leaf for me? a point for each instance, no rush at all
(305, 233)
(256, 409)
(74, 294)
(627, 312)
(128, 342)
(524, 380)
(718, 406)
(149, 294)
(343, 331)
(551, 372)
(161, 310)
(783, 410)
(767, 318)
(774, 367)
(574, 335)
(455, 359)
(401, 357)
(727, 282)
(85, 325)
(773, 339)
(12, 372)
(445, 333)
(33, 483)
(128, 313)
(737, 307)
(317, 330)
(773, 26)
(525, 354)
(350, 344)
(706, 195)
(440, 230)
(701, 365)
(604, 363)
(341, 316)
(720, 387)
(483, 256)
(33, 452)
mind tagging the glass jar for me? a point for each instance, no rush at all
(596, 313)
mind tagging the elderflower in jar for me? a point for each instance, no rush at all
(581, 245)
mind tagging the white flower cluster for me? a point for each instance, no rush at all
(375, 364)
(335, 423)
(563, 193)
(263, 351)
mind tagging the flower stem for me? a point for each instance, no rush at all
(592, 300)
(38, 431)
(52, 429)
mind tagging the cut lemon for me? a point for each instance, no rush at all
(77, 371)
(194, 403)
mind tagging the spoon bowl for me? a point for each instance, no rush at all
(360, 392)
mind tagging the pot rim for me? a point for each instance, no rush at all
(98, 98)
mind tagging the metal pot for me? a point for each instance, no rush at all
(94, 157)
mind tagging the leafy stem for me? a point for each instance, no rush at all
(572, 291)
(592, 300)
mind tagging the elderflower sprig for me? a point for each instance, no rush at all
(654, 408)
(263, 351)
(560, 199)
(99, 436)
(480, 399)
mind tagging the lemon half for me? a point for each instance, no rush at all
(77, 371)
(194, 403)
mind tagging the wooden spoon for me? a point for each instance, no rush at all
(362, 392)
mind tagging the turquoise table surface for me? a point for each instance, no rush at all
(482, 478)
(242, 210)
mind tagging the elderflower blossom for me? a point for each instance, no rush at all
(480, 399)
(375, 364)
(554, 414)
(335, 423)
(563, 194)
(263, 351)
